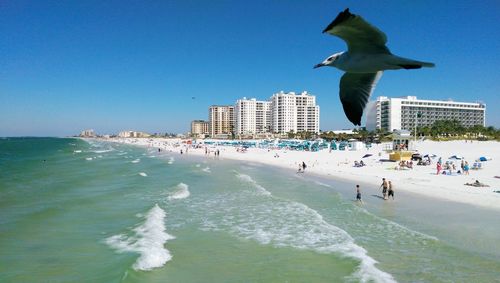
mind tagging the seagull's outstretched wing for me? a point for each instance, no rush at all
(359, 35)
(355, 90)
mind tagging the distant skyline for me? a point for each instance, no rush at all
(66, 66)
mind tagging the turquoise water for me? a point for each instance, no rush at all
(77, 211)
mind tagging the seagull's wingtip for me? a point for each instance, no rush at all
(341, 17)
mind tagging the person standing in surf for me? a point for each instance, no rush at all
(384, 187)
(358, 194)
(391, 191)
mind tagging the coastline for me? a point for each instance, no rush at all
(338, 165)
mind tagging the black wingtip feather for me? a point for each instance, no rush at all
(341, 17)
(352, 114)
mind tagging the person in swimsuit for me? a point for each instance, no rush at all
(391, 191)
(358, 194)
(384, 188)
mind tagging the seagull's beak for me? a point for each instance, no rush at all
(318, 65)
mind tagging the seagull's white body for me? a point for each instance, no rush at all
(367, 57)
(369, 63)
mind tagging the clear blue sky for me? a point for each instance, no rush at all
(113, 65)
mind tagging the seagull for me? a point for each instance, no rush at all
(363, 62)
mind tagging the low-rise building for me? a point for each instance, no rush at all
(404, 113)
(133, 134)
(199, 128)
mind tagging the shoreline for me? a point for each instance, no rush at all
(338, 166)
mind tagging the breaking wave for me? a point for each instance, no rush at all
(148, 240)
(249, 179)
(181, 192)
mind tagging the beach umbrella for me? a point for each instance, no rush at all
(367, 155)
(482, 158)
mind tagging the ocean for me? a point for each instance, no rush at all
(73, 210)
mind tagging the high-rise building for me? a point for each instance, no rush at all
(252, 116)
(221, 121)
(294, 112)
(199, 128)
(405, 112)
(87, 134)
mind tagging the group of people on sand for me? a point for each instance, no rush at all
(359, 164)
(387, 190)
(449, 168)
(405, 164)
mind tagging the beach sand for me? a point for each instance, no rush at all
(340, 165)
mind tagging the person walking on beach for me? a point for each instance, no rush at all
(358, 194)
(384, 188)
(466, 168)
(391, 191)
(438, 168)
(304, 166)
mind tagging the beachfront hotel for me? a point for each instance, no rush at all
(133, 134)
(404, 113)
(281, 114)
(87, 134)
(252, 116)
(199, 128)
(221, 121)
(294, 112)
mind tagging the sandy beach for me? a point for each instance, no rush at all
(340, 165)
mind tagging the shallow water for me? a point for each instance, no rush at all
(105, 212)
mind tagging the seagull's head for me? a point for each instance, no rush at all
(330, 61)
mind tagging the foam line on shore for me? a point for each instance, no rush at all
(284, 223)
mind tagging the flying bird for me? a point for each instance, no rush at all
(363, 62)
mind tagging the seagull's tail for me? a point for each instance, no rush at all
(404, 63)
(427, 64)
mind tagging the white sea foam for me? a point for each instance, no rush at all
(171, 160)
(206, 169)
(103, 150)
(390, 225)
(136, 160)
(143, 174)
(249, 179)
(88, 158)
(77, 151)
(197, 165)
(181, 192)
(284, 223)
(148, 241)
(322, 184)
